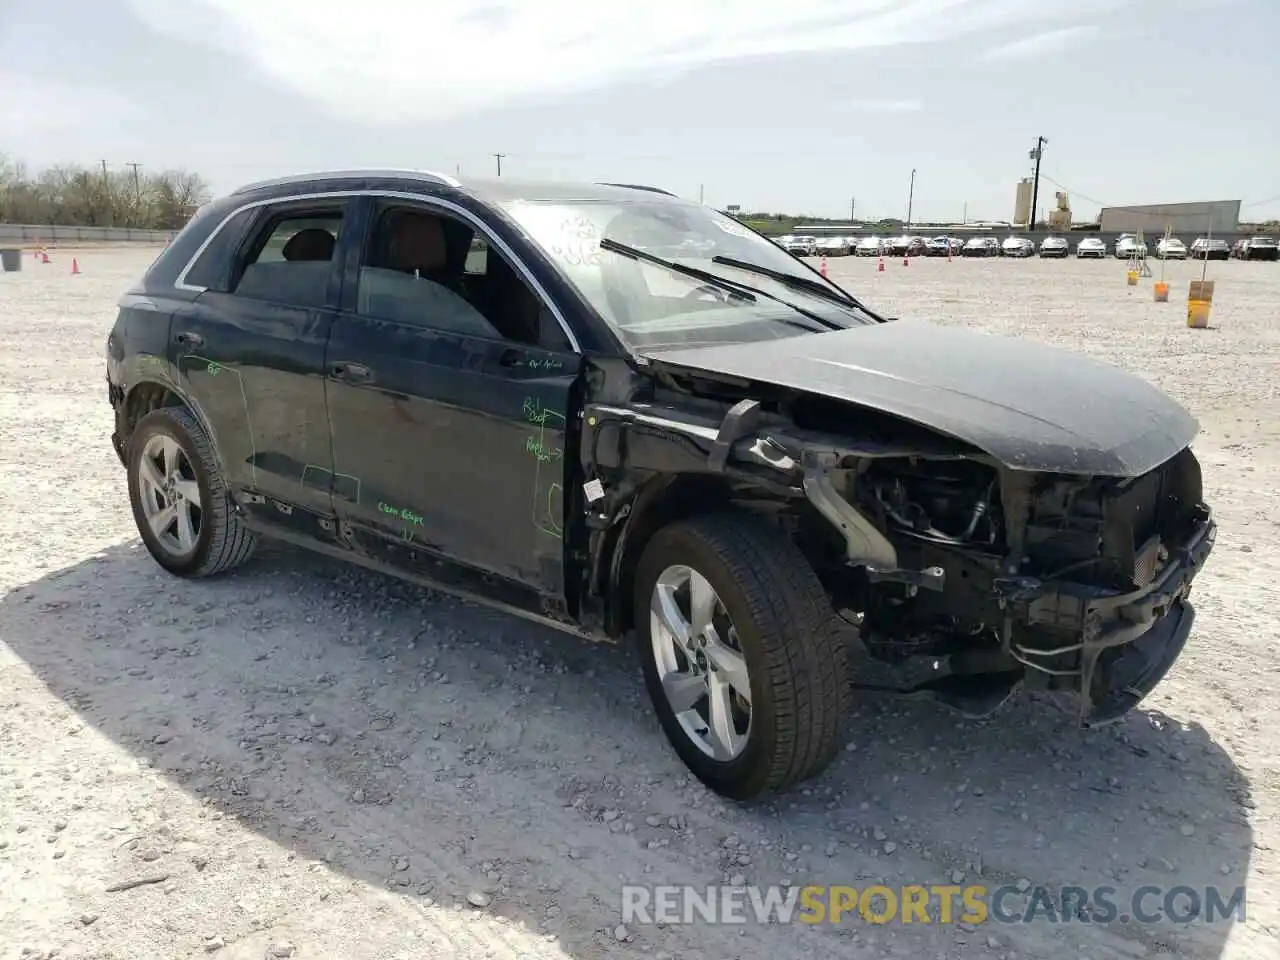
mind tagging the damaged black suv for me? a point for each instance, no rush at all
(616, 411)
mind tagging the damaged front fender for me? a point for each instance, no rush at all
(635, 455)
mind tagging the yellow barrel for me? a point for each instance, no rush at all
(1198, 313)
(1199, 303)
(1161, 290)
(1131, 277)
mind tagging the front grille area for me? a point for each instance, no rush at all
(1107, 533)
(1131, 525)
(1147, 562)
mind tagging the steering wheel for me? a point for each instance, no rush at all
(718, 294)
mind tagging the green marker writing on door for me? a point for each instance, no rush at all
(402, 512)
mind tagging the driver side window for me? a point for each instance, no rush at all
(425, 268)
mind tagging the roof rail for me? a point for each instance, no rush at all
(637, 186)
(427, 176)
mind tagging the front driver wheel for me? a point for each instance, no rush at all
(743, 657)
(180, 503)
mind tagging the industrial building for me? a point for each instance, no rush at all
(1022, 202)
(1059, 218)
(1211, 216)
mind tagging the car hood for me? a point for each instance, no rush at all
(1028, 405)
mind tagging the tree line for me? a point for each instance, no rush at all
(73, 195)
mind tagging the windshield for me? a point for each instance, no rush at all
(652, 306)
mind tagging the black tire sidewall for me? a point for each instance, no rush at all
(162, 422)
(745, 775)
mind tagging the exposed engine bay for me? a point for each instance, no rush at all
(977, 548)
(1021, 576)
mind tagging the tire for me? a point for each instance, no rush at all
(789, 637)
(222, 541)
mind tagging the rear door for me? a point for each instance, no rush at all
(250, 352)
(450, 424)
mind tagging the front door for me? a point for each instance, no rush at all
(449, 387)
(250, 350)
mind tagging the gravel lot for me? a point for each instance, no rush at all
(309, 760)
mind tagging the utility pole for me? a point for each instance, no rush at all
(498, 157)
(853, 202)
(1035, 180)
(106, 197)
(911, 195)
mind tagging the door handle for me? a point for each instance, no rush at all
(186, 336)
(351, 372)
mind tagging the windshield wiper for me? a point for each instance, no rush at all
(798, 283)
(740, 290)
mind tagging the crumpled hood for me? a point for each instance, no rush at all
(1030, 406)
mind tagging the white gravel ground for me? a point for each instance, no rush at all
(324, 763)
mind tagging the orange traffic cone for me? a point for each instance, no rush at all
(906, 261)
(75, 267)
(880, 268)
(822, 266)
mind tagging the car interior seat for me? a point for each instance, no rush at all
(313, 243)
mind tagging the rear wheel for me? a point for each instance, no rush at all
(743, 657)
(180, 503)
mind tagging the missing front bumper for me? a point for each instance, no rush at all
(1126, 642)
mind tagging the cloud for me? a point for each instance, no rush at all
(40, 107)
(879, 106)
(1038, 46)
(414, 61)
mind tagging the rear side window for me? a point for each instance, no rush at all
(213, 267)
(290, 259)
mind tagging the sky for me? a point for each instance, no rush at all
(812, 107)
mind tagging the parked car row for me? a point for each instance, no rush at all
(1126, 247)
(1256, 248)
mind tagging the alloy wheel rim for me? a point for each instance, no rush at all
(170, 495)
(700, 663)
